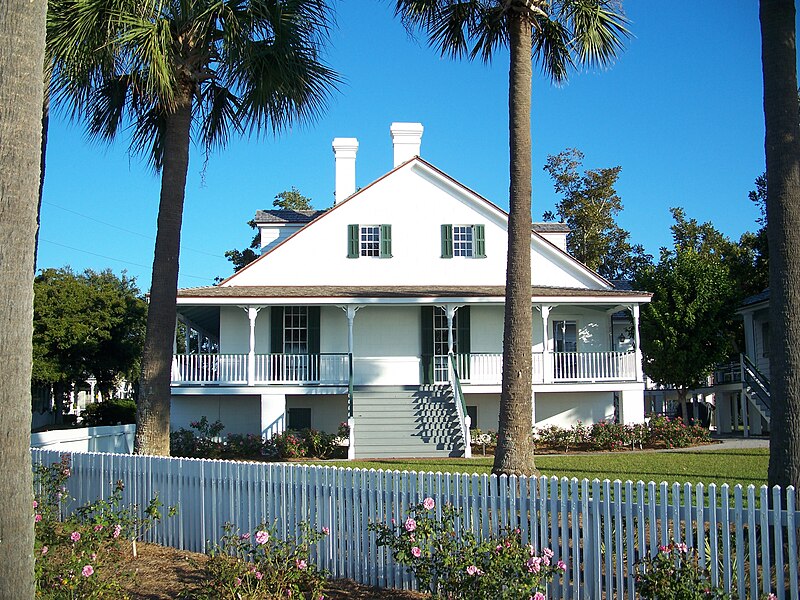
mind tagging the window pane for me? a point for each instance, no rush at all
(370, 240)
(462, 240)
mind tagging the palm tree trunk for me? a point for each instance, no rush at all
(22, 29)
(152, 411)
(514, 453)
(782, 144)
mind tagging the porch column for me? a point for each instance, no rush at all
(175, 337)
(745, 415)
(187, 336)
(252, 315)
(450, 313)
(547, 369)
(273, 415)
(637, 341)
(350, 312)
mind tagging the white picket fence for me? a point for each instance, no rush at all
(599, 528)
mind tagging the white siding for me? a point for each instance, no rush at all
(486, 329)
(566, 408)
(416, 203)
(327, 411)
(239, 414)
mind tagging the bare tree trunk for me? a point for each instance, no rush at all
(22, 29)
(153, 405)
(514, 453)
(782, 145)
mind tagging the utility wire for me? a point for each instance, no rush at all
(141, 235)
(127, 262)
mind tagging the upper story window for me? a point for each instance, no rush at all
(369, 240)
(463, 240)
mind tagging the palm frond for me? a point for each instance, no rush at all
(551, 47)
(147, 135)
(599, 30)
(219, 112)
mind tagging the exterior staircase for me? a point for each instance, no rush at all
(755, 387)
(406, 421)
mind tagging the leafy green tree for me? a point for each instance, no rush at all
(288, 200)
(590, 205)
(782, 144)
(22, 29)
(743, 260)
(557, 34)
(88, 324)
(172, 72)
(292, 200)
(682, 340)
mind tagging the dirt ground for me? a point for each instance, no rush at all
(161, 573)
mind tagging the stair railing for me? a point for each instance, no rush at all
(752, 377)
(461, 407)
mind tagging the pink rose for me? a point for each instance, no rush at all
(411, 524)
(117, 530)
(538, 596)
(98, 527)
(416, 552)
(473, 570)
(562, 565)
(262, 537)
(428, 503)
(547, 552)
(44, 550)
(259, 575)
(35, 504)
(87, 570)
(534, 564)
(326, 531)
(37, 518)
(75, 536)
(300, 564)
(245, 536)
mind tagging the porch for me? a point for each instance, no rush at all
(341, 369)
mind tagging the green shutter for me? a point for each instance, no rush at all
(313, 329)
(386, 241)
(352, 241)
(426, 344)
(447, 241)
(480, 241)
(463, 339)
(276, 330)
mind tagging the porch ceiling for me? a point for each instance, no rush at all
(204, 317)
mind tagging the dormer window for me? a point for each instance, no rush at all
(369, 241)
(463, 240)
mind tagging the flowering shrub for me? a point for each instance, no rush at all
(259, 565)
(82, 556)
(606, 435)
(204, 441)
(447, 559)
(675, 574)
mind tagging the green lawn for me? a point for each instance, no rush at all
(714, 466)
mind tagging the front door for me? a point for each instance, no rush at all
(435, 338)
(565, 348)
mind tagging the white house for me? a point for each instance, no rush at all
(742, 391)
(387, 310)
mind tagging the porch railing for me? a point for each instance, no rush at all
(330, 369)
(487, 368)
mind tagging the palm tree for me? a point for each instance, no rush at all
(174, 71)
(782, 144)
(21, 56)
(558, 34)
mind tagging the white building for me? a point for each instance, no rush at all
(388, 308)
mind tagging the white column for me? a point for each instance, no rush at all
(187, 336)
(350, 312)
(745, 415)
(637, 342)
(547, 369)
(631, 406)
(273, 414)
(252, 315)
(450, 313)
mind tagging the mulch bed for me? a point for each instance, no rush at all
(161, 573)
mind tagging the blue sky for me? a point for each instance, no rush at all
(680, 111)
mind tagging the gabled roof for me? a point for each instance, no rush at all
(550, 227)
(287, 216)
(755, 298)
(447, 179)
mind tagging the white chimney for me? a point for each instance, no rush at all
(344, 149)
(406, 139)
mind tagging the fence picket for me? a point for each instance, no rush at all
(599, 529)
